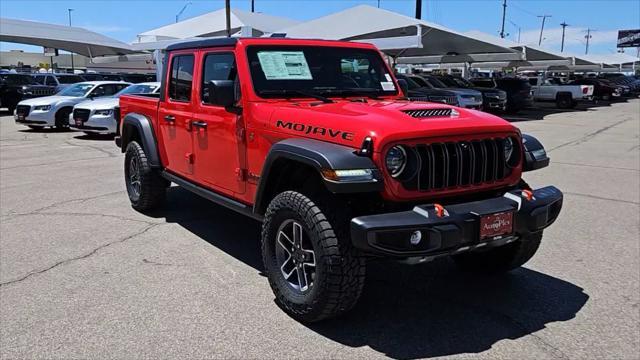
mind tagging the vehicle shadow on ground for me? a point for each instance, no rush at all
(407, 311)
(540, 110)
(97, 137)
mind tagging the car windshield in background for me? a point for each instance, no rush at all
(17, 79)
(136, 89)
(77, 90)
(435, 82)
(301, 71)
(69, 79)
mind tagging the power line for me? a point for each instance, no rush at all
(523, 10)
(519, 29)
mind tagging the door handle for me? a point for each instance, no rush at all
(200, 124)
(169, 118)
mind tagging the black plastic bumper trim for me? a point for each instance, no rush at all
(388, 234)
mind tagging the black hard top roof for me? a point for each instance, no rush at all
(228, 41)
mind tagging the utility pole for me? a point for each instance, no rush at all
(227, 6)
(544, 17)
(182, 10)
(588, 36)
(418, 9)
(564, 25)
(72, 65)
(253, 6)
(504, 13)
(378, 4)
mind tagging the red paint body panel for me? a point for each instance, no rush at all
(234, 143)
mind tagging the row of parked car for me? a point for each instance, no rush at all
(15, 87)
(90, 106)
(512, 94)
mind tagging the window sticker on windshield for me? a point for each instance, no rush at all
(388, 77)
(284, 65)
(387, 85)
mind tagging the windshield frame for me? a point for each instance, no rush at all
(251, 52)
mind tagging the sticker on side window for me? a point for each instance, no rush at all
(284, 65)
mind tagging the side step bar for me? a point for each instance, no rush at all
(212, 196)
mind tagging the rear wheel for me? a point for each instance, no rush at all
(565, 101)
(313, 270)
(501, 259)
(145, 187)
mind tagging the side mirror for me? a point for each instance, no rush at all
(404, 86)
(220, 93)
(535, 157)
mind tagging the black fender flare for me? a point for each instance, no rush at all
(141, 124)
(535, 156)
(320, 156)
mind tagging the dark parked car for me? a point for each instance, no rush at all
(492, 99)
(92, 77)
(518, 91)
(419, 90)
(17, 87)
(59, 81)
(603, 89)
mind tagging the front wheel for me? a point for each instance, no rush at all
(62, 119)
(314, 274)
(145, 187)
(501, 259)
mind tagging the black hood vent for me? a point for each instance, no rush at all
(425, 113)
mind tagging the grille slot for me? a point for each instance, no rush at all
(81, 114)
(23, 110)
(453, 164)
(425, 113)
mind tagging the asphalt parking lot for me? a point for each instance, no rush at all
(82, 275)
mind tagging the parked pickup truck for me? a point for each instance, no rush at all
(565, 96)
(315, 140)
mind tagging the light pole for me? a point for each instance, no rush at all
(504, 14)
(73, 71)
(544, 17)
(564, 25)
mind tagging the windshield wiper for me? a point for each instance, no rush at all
(296, 92)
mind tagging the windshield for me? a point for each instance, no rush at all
(278, 71)
(435, 82)
(420, 81)
(450, 82)
(17, 79)
(462, 82)
(69, 79)
(77, 90)
(136, 89)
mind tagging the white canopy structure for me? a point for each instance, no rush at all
(73, 39)
(214, 24)
(415, 41)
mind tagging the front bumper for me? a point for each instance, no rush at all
(36, 118)
(457, 231)
(96, 124)
(495, 104)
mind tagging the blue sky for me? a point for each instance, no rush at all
(122, 20)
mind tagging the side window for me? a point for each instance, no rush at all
(181, 78)
(533, 81)
(216, 67)
(119, 87)
(50, 81)
(39, 79)
(100, 90)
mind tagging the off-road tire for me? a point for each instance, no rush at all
(153, 187)
(62, 119)
(500, 259)
(340, 271)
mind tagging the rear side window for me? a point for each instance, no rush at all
(217, 67)
(181, 78)
(51, 81)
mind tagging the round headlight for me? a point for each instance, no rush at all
(396, 160)
(510, 153)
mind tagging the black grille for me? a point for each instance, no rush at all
(428, 113)
(449, 100)
(42, 92)
(81, 114)
(454, 164)
(23, 110)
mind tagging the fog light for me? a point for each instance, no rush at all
(416, 236)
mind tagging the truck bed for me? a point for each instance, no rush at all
(145, 104)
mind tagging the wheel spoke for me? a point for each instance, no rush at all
(287, 275)
(281, 236)
(302, 277)
(310, 258)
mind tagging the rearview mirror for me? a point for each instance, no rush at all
(220, 93)
(404, 86)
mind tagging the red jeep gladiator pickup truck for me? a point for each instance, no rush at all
(315, 139)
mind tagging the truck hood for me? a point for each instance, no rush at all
(49, 100)
(102, 103)
(350, 122)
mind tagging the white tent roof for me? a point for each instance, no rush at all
(215, 24)
(612, 59)
(400, 35)
(74, 39)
